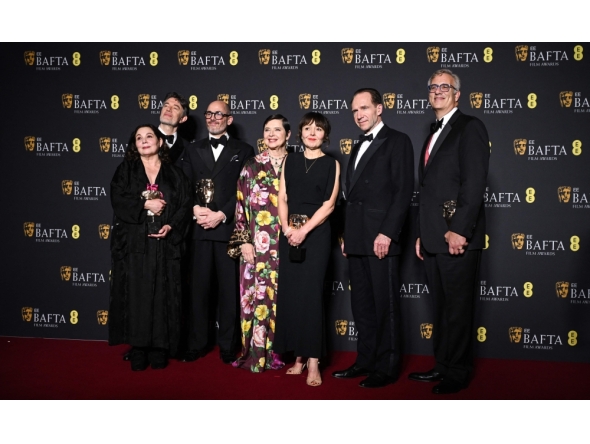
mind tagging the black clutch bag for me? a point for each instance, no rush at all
(297, 254)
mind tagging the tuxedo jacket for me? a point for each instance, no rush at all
(176, 151)
(378, 192)
(198, 163)
(457, 169)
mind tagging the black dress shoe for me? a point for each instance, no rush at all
(429, 376)
(192, 355)
(446, 387)
(138, 359)
(377, 380)
(227, 357)
(127, 355)
(158, 358)
(351, 372)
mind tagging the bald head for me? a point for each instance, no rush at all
(218, 127)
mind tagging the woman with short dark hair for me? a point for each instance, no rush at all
(307, 196)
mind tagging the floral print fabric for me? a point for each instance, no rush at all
(257, 212)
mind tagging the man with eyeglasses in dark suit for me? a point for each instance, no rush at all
(452, 179)
(219, 158)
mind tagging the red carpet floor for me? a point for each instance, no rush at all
(49, 369)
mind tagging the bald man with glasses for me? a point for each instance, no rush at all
(219, 158)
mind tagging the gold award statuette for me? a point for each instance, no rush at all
(296, 221)
(154, 223)
(205, 191)
(449, 208)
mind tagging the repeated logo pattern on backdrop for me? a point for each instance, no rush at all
(78, 103)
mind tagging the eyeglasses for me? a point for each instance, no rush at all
(217, 115)
(445, 87)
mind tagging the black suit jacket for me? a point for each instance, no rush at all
(378, 192)
(176, 151)
(198, 163)
(457, 170)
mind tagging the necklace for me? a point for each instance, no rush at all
(277, 161)
(306, 168)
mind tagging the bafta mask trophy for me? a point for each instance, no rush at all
(154, 222)
(296, 221)
(205, 191)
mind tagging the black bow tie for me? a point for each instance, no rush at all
(365, 137)
(436, 126)
(169, 139)
(216, 142)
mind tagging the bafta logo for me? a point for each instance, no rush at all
(476, 99)
(304, 100)
(223, 98)
(105, 144)
(515, 334)
(521, 52)
(102, 316)
(341, 325)
(30, 143)
(432, 53)
(426, 331)
(183, 57)
(29, 228)
(29, 58)
(345, 146)
(517, 241)
(261, 145)
(67, 100)
(562, 288)
(105, 58)
(65, 272)
(104, 231)
(389, 100)
(564, 193)
(264, 56)
(566, 98)
(143, 100)
(66, 187)
(27, 313)
(519, 146)
(347, 54)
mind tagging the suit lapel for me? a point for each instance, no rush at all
(443, 135)
(350, 169)
(228, 154)
(204, 150)
(371, 150)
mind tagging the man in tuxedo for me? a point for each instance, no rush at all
(174, 112)
(378, 189)
(453, 167)
(220, 158)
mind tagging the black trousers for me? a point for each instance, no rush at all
(452, 280)
(210, 264)
(375, 285)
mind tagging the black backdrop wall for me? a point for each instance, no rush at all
(71, 107)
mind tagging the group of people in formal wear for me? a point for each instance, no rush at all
(261, 239)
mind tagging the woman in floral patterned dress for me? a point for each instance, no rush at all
(258, 227)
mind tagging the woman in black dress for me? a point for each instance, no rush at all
(308, 191)
(152, 202)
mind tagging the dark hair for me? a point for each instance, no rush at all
(132, 153)
(283, 119)
(375, 95)
(320, 121)
(182, 100)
